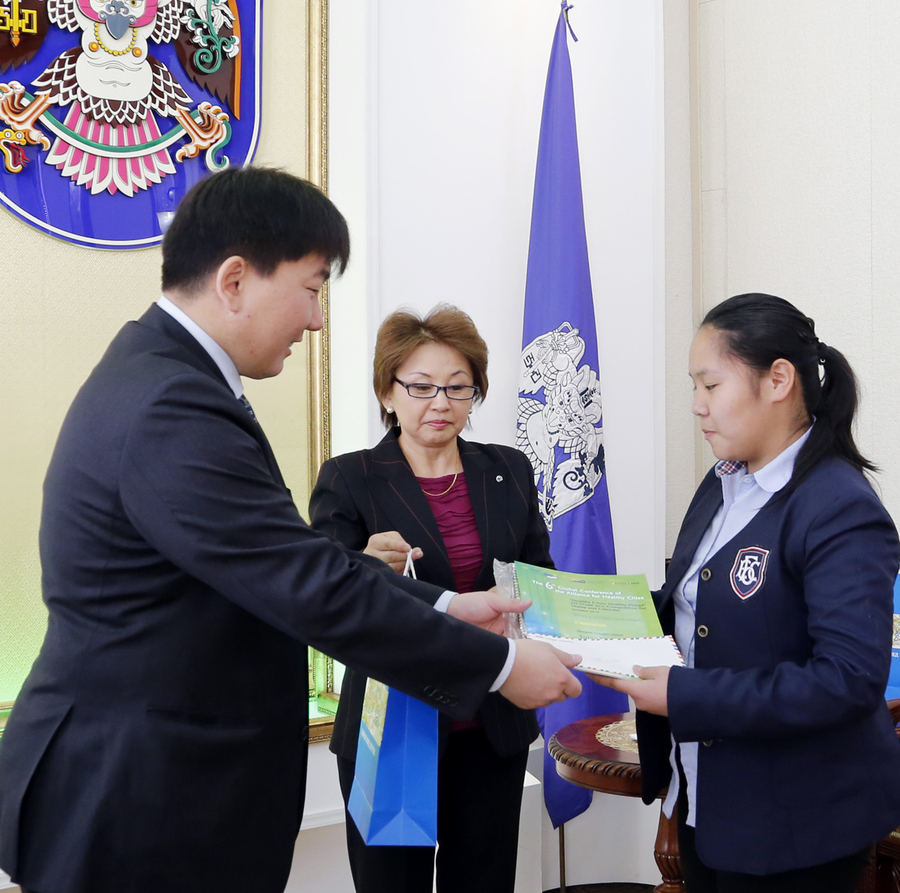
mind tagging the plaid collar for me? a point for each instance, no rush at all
(729, 466)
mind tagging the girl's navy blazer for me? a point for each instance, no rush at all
(799, 763)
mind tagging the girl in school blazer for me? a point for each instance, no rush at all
(774, 739)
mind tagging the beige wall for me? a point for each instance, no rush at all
(60, 304)
(680, 61)
(799, 126)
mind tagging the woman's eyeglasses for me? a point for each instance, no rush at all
(424, 391)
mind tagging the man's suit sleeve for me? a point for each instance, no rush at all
(195, 483)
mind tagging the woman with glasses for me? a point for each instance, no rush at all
(456, 506)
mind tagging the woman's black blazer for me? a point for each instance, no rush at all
(373, 491)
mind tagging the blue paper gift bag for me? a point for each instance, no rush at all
(393, 800)
(893, 686)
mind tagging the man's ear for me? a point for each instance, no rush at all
(229, 282)
(782, 379)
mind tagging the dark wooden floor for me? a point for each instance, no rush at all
(607, 888)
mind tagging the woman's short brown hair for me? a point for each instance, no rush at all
(404, 331)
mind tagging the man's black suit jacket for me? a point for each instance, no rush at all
(159, 742)
(374, 491)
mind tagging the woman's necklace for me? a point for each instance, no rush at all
(445, 492)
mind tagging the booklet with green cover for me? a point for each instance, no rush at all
(609, 619)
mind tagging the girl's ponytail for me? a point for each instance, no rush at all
(759, 329)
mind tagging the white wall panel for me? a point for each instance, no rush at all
(799, 129)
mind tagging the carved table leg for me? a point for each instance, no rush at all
(665, 851)
(868, 880)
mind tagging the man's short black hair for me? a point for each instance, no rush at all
(262, 214)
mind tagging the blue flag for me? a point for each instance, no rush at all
(560, 413)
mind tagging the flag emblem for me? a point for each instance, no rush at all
(566, 422)
(748, 572)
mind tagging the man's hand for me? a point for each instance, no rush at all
(540, 676)
(650, 692)
(392, 549)
(486, 609)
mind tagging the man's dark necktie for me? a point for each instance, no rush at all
(246, 404)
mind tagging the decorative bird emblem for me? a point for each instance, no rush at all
(115, 91)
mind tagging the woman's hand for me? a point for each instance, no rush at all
(392, 549)
(649, 692)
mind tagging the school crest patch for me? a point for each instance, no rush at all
(748, 572)
(110, 110)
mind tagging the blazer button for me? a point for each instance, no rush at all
(707, 743)
(702, 631)
(499, 478)
(705, 574)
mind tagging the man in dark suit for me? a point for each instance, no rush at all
(159, 743)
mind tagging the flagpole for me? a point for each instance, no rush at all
(562, 858)
(560, 419)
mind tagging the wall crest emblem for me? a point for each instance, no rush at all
(559, 424)
(110, 110)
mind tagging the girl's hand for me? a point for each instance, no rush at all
(649, 692)
(392, 549)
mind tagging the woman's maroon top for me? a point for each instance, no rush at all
(456, 521)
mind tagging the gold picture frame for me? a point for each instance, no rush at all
(5, 707)
(323, 700)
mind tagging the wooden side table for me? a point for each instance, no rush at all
(882, 874)
(601, 754)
